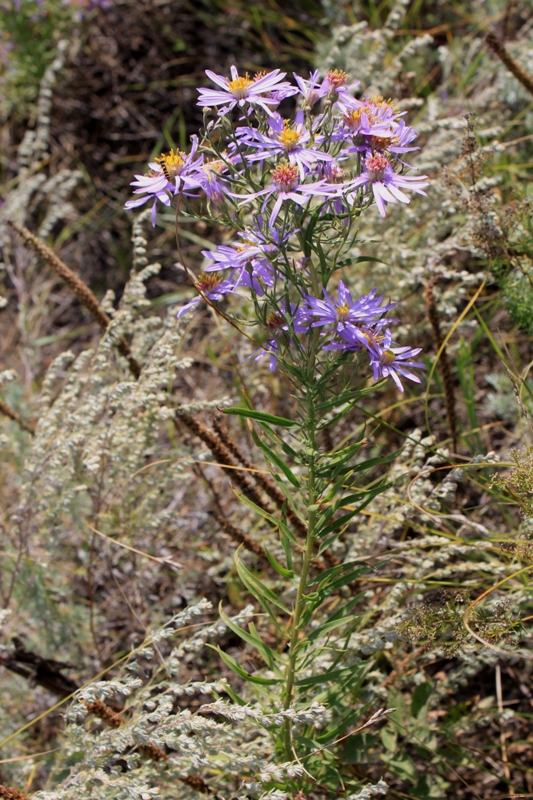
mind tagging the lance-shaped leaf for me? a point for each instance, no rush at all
(277, 523)
(257, 588)
(285, 573)
(241, 672)
(259, 416)
(271, 456)
(252, 638)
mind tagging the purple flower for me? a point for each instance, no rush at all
(169, 174)
(386, 184)
(311, 90)
(287, 186)
(265, 91)
(386, 357)
(346, 313)
(210, 181)
(210, 286)
(279, 325)
(394, 362)
(335, 87)
(361, 127)
(291, 141)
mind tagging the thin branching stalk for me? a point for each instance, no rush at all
(446, 374)
(82, 292)
(513, 66)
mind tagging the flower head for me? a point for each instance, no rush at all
(210, 286)
(386, 184)
(169, 174)
(336, 88)
(280, 322)
(387, 359)
(287, 185)
(291, 141)
(266, 91)
(346, 312)
(311, 90)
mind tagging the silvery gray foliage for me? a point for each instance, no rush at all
(110, 763)
(437, 234)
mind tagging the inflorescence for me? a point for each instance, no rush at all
(333, 160)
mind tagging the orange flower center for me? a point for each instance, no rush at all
(285, 177)
(381, 142)
(337, 78)
(376, 166)
(352, 120)
(207, 281)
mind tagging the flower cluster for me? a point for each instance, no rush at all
(335, 157)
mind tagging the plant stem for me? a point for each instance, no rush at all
(301, 601)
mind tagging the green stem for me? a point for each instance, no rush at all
(301, 601)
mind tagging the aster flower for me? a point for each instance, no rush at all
(386, 184)
(287, 186)
(254, 247)
(252, 269)
(293, 141)
(395, 362)
(382, 137)
(211, 286)
(278, 324)
(210, 181)
(168, 174)
(266, 91)
(154, 186)
(336, 88)
(360, 126)
(311, 90)
(386, 357)
(346, 312)
(334, 175)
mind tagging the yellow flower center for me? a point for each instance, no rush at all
(245, 244)
(207, 281)
(352, 120)
(342, 312)
(239, 87)
(381, 142)
(380, 102)
(388, 358)
(172, 163)
(212, 168)
(288, 137)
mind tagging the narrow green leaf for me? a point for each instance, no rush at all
(279, 441)
(277, 523)
(279, 463)
(330, 625)
(259, 416)
(371, 462)
(258, 588)
(285, 573)
(241, 672)
(253, 639)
